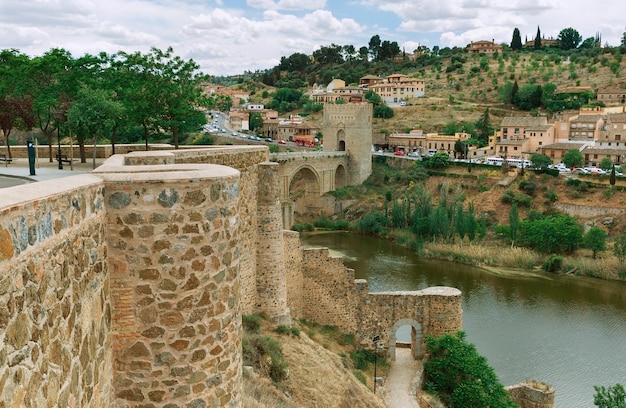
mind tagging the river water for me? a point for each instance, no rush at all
(567, 331)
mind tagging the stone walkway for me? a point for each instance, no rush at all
(403, 381)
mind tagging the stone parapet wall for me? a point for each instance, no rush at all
(529, 396)
(173, 242)
(55, 315)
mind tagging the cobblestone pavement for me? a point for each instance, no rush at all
(403, 380)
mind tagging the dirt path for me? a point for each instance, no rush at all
(403, 380)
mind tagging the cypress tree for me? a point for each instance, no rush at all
(538, 39)
(612, 177)
(516, 41)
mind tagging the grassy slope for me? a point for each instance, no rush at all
(318, 375)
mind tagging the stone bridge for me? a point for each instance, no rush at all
(305, 177)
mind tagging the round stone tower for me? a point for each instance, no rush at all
(348, 127)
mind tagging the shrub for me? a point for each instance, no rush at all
(303, 227)
(360, 376)
(251, 323)
(362, 358)
(554, 263)
(264, 354)
(460, 376)
(507, 197)
(282, 329)
(528, 187)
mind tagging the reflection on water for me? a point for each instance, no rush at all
(567, 331)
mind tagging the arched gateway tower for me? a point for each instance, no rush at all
(348, 127)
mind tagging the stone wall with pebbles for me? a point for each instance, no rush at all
(55, 315)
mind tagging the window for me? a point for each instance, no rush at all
(618, 137)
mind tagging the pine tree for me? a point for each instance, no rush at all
(516, 41)
(538, 39)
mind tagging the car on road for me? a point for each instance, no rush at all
(594, 170)
(579, 170)
(399, 153)
(281, 141)
(269, 140)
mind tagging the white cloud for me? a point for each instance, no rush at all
(228, 37)
(288, 4)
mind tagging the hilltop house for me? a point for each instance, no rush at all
(484, 47)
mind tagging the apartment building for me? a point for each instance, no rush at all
(398, 87)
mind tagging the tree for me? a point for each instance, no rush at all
(484, 128)
(374, 47)
(611, 397)
(623, 41)
(551, 234)
(383, 111)
(540, 161)
(256, 121)
(573, 158)
(595, 239)
(513, 223)
(94, 113)
(460, 376)
(439, 160)
(373, 98)
(538, 39)
(606, 163)
(569, 38)
(619, 248)
(516, 41)
(612, 176)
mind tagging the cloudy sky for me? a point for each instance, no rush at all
(229, 37)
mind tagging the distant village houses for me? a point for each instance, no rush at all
(484, 47)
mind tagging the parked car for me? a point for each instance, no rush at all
(594, 170)
(269, 140)
(579, 170)
(281, 141)
(399, 153)
(413, 154)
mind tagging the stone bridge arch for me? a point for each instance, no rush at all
(341, 176)
(416, 338)
(304, 189)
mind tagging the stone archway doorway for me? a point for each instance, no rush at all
(415, 343)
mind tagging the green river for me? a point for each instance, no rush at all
(567, 331)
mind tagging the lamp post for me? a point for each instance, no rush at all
(58, 114)
(375, 339)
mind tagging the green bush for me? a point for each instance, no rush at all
(360, 376)
(554, 263)
(251, 323)
(282, 329)
(303, 227)
(362, 358)
(265, 355)
(528, 187)
(460, 376)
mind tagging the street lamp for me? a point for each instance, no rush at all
(58, 114)
(375, 339)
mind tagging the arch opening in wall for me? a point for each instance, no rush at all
(341, 177)
(304, 192)
(406, 333)
(341, 141)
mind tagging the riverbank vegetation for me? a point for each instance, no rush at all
(468, 217)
